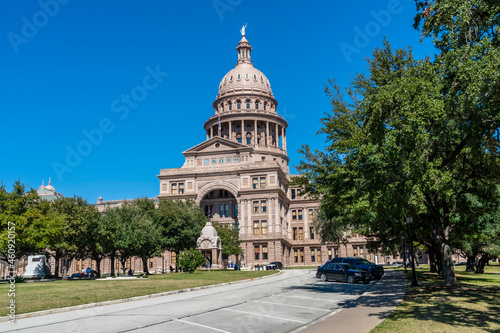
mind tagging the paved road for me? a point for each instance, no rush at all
(277, 304)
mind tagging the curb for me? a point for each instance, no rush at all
(123, 300)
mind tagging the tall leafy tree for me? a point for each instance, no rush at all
(417, 138)
(181, 222)
(230, 239)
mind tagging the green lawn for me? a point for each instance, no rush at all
(48, 295)
(472, 307)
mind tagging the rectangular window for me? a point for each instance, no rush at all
(311, 232)
(336, 251)
(151, 264)
(299, 213)
(221, 193)
(255, 206)
(173, 188)
(318, 255)
(255, 183)
(296, 255)
(235, 210)
(211, 211)
(311, 214)
(313, 255)
(361, 252)
(264, 252)
(221, 210)
(294, 233)
(263, 207)
(264, 227)
(262, 182)
(249, 141)
(293, 194)
(329, 253)
(301, 233)
(181, 188)
(226, 210)
(257, 252)
(294, 215)
(256, 229)
(355, 251)
(301, 255)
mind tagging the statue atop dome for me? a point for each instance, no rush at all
(243, 29)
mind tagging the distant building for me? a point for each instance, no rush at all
(48, 192)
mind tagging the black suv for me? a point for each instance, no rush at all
(274, 265)
(377, 271)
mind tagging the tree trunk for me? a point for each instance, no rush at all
(432, 261)
(57, 259)
(98, 264)
(123, 261)
(449, 276)
(112, 258)
(471, 260)
(65, 268)
(483, 261)
(145, 268)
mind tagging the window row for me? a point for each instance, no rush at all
(219, 160)
(298, 233)
(260, 227)
(223, 210)
(176, 188)
(258, 249)
(297, 214)
(260, 206)
(258, 182)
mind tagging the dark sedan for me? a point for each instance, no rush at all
(274, 265)
(342, 272)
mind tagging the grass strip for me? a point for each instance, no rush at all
(40, 296)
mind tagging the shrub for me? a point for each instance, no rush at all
(190, 260)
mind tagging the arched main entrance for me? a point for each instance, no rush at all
(219, 203)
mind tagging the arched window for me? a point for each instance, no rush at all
(249, 138)
(265, 105)
(230, 105)
(248, 104)
(238, 104)
(238, 137)
(257, 105)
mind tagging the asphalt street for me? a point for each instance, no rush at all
(277, 304)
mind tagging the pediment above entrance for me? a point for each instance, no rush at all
(217, 146)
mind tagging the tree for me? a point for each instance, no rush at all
(230, 240)
(190, 260)
(148, 240)
(181, 224)
(78, 218)
(27, 225)
(413, 138)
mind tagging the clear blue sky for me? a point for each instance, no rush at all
(65, 68)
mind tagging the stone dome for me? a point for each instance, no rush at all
(244, 78)
(208, 231)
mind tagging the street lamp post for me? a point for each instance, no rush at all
(414, 282)
(403, 247)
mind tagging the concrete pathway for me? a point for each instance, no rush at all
(365, 312)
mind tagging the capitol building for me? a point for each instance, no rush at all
(239, 175)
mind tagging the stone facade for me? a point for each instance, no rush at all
(239, 175)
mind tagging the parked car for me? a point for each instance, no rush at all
(342, 272)
(397, 263)
(80, 276)
(274, 265)
(377, 271)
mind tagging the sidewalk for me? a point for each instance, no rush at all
(367, 311)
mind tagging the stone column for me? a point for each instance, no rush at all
(249, 219)
(241, 214)
(208, 136)
(277, 215)
(211, 132)
(267, 133)
(270, 224)
(284, 139)
(243, 136)
(306, 223)
(214, 259)
(219, 256)
(255, 133)
(277, 143)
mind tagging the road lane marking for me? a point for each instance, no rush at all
(263, 315)
(205, 326)
(297, 306)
